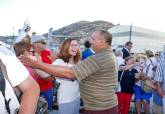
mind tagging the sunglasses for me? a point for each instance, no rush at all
(32, 51)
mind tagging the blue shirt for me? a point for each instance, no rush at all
(88, 52)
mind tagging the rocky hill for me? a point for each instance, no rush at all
(82, 28)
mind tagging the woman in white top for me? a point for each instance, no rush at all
(68, 96)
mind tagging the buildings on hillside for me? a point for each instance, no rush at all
(143, 39)
(8, 40)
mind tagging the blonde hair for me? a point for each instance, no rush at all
(140, 56)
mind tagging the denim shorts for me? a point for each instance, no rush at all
(141, 95)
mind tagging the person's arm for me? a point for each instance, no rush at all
(57, 70)
(30, 94)
(41, 73)
(127, 67)
(18, 76)
(22, 33)
(159, 89)
(79, 71)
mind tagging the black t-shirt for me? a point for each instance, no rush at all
(128, 80)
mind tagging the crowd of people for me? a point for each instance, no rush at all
(139, 76)
(88, 76)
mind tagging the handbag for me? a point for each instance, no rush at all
(118, 86)
(147, 85)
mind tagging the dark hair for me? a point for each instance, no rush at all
(106, 35)
(87, 44)
(128, 43)
(64, 51)
(128, 58)
(149, 53)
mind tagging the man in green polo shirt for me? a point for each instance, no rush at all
(97, 75)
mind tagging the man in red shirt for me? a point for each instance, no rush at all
(46, 84)
(46, 56)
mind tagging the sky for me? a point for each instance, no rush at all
(45, 14)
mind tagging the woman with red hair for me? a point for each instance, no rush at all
(68, 95)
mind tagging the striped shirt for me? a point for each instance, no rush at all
(160, 72)
(98, 76)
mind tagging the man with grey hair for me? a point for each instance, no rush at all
(119, 56)
(46, 84)
(97, 75)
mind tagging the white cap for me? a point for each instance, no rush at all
(37, 38)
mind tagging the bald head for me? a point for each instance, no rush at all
(105, 35)
(100, 40)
